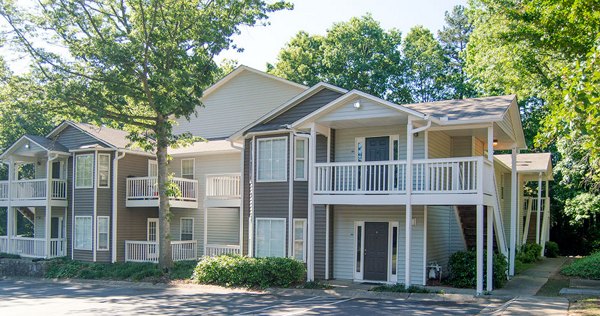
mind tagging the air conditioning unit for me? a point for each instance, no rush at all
(434, 271)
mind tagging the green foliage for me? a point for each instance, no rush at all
(587, 268)
(529, 253)
(400, 288)
(463, 269)
(249, 272)
(316, 285)
(182, 270)
(71, 269)
(552, 250)
(8, 256)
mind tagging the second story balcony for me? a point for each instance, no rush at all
(35, 192)
(223, 190)
(143, 192)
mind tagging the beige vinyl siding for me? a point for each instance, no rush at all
(368, 109)
(501, 174)
(444, 235)
(235, 105)
(345, 140)
(462, 146)
(343, 226)
(477, 147)
(203, 165)
(440, 145)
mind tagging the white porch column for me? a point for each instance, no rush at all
(408, 219)
(490, 249)
(479, 250)
(311, 208)
(10, 218)
(513, 213)
(490, 143)
(48, 207)
(539, 210)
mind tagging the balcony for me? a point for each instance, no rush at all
(147, 251)
(143, 192)
(33, 247)
(33, 192)
(434, 181)
(223, 190)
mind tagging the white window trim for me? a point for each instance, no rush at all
(193, 174)
(393, 278)
(91, 235)
(363, 141)
(107, 218)
(359, 275)
(84, 187)
(299, 221)
(284, 252)
(181, 227)
(98, 170)
(150, 163)
(304, 158)
(285, 159)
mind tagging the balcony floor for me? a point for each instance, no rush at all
(154, 203)
(400, 199)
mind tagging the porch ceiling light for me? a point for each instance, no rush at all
(495, 142)
(356, 105)
(27, 145)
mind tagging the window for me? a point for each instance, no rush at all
(84, 171)
(83, 232)
(300, 155)
(102, 229)
(187, 168)
(186, 229)
(300, 239)
(152, 168)
(272, 156)
(270, 237)
(103, 170)
(394, 249)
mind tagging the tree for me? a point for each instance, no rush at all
(357, 54)
(141, 63)
(426, 66)
(454, 38)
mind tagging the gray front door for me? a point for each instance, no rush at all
(376, 251)
(377, 149)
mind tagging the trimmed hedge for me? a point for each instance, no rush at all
(529, 253)
(463, 269)
(228, 270)
(587, 268)
(552, 250)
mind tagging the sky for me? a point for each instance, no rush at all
(261, 44)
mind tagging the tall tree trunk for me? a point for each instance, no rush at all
(164, 210)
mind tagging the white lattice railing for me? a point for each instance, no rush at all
(218, 250)
(146, 188)
(223, 186)
(446, 175)
(58, 247)
(3, 190)
(147, 251)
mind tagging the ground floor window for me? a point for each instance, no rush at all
(270, 237)
(103, 232)
(83, 232)
(300, 239)
(187, 229)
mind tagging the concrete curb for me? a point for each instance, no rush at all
(579, 291)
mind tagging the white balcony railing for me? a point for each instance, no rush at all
(146, 188)
(34, 189)
(4, 244)
(530, 203)
(218, 250)
(223, 186)
(147, 251)
(440, 176)
(3, 190)
(28, 247)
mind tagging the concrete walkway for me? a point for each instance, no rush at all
(529, 282)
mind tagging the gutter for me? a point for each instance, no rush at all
(118, 156)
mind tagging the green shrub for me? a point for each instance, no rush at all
(400, 288)
(529, 253)
(587, 268)
(463, 269)
(552, 250)
(132, 271)
(249, 272)
(9, 256)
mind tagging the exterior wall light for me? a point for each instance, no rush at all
(357, 105)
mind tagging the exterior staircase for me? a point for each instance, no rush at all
(468, 221)
(28, 213)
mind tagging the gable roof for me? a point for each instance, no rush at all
(531, 163)
(47, 144)
(489, 108)
(113, 138)
(241, 69)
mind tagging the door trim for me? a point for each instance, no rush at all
(359, 273)
(152, 220)
(361, 141)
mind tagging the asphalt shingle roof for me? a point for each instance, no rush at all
(48, 144)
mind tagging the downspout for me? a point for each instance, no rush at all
(118, 156)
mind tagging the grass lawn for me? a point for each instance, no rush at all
(585, 307)
(520, 266)
(585, 268)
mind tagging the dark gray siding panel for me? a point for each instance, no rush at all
(131, 222)
(300, 199)
(321, 154)
(83, 203)
(247, 193)
(331, 215)
(72, 138)
(70, 206)
(104, 208)
(306, 107)
(320, 231)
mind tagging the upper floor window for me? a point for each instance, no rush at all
(84, 171)
(300, 158)
(103, 170)
(186, 228)
(272, 158)
(187, 168)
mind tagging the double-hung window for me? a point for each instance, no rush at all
(270, 237)
(272, 159)
(103, 170)
(84, 171)
(300, 239)
(187, 168)
(187, 229)
(102, 230)
(83, 232)
(300, 158)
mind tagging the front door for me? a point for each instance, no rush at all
(56, 227)
(376, 251)
(152, 237)
(377, 149)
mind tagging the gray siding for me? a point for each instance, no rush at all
(104, 208)
(247, 193)
(444, 235)
(73, 138)
(223, 226)
(70, 207)
(306, 107)
(320, 233)
(83, 204)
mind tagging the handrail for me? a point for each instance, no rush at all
(146, 188)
